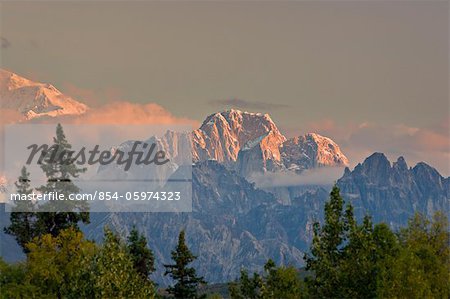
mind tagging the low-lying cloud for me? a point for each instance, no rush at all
(318, 176)
(131, 113)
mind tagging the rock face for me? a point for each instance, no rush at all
(222, 135)
(296, 155)
(311, 151)
(233, 225)
(260, 155)
(33, 99)
(251, 143)
(393, 193)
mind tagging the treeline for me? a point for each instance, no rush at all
(361, 260)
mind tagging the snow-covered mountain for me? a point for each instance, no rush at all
(34, 99)
(251, 143)
(310, 151)
(222, 135)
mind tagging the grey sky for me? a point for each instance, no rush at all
(371, 61)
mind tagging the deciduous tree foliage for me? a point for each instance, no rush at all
(276, 282)
(14, 284)
(69, 266)
(115, 275)
(422, 265)
(54, 263)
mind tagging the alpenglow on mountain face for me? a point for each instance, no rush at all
(222, 135)
(251, 143)
(33, 99)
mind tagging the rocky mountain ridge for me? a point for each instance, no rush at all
(393, 193)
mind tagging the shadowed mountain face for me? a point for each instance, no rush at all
(392, 193)
(234, 224)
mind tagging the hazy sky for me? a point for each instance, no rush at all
(336, 67)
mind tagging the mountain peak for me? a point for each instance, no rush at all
(255, 143)
(34, 99)
(376, 158)
(223, 134)
(377, 166)
(312, 150)
(400, 164)
(231, 115)
(422, 169)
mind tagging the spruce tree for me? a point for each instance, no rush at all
(326, 249)
(348, 258)
(142, 256)
(23, 215)
(60, 170)
(186, 278)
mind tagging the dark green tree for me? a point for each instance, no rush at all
(246, 287)
(187, 281)
(60, 169)
(14, 282)
(327, 248)
(142, 256)
(23, 215)
(348, 258)
(358, 268)
(281, 282)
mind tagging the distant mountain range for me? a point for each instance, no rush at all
(33, 99)
(235, 223)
